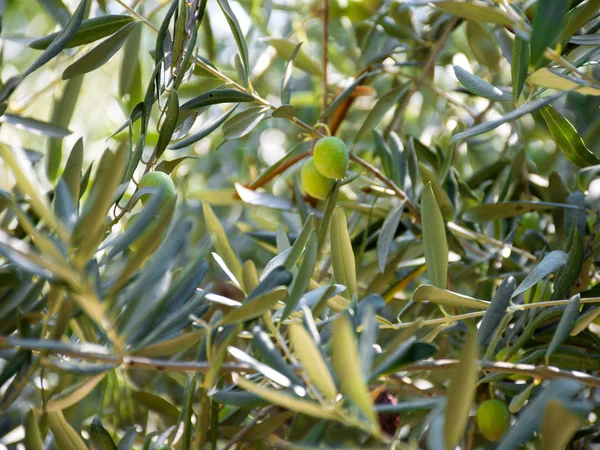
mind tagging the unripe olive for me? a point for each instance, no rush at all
(331, 157)
(315, 184)
(158, 180)
(493, 419)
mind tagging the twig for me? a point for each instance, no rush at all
(240, 434)
(389, 183)
(541, 372)
(471, 235)
(325, 50)
(399, 113)
(136, 362)
(551, 54)
(137, 15)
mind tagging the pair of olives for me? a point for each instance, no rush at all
(329, 162)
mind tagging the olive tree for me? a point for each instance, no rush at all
(271, 224)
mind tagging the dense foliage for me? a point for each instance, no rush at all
(167, 281)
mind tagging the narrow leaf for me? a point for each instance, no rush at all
(312, 360)
(255, 307)
(33, 437)
(168, 126)
(344, 357)
(513, 115)
(551, 263)
(66, 437)
(461, 393)
(205, 131)
(477, 11)
(433, 294)
(302, 61)
(547, 26)
(90, 30)
(285, 400)
(567, 138)
(243, 123)
(286, 89)
(520, 63)
(558, 426)
(480, 87)
(220, 241)
(387, 234)
(496, 310)
(342, 256)
(99, 437)
(493, 211)
(565, 326)
(302, 279)
(383, 105)
(35, 126)
(217, 96)
(434, 239)
(238, 35)
(100, 54)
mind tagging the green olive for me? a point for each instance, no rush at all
(331, 157)
(315, 184)
(158, 180)
(493, 419)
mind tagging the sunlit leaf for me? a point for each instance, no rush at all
(567, 138)
(345, 360)
(477, 11)
(310, 356)
(383, 105)
(443, 297)
(90, 30)
(342, 255)
(434, 239)
(66, 437)
(461, 392)
(100, 54)
(508, 117)
(551, 263)
(302, 61)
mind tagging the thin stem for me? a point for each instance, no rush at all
(389, 183)
(162, 365)
(325, 50)
(447, 320)
(240, 434)
(469, 234)
(429, 64)
(558, 59)
(449, 98)
(137, 15)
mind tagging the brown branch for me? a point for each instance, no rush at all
(255, 184)
(101, 354)
(340, 113)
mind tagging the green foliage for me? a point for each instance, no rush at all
(386, 223)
